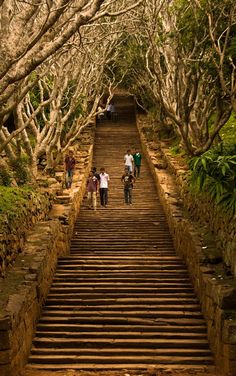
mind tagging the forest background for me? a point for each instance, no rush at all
(60, 59)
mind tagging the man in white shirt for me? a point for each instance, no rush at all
(104, 179)
(129, 160)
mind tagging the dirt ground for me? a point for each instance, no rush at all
(151, 371)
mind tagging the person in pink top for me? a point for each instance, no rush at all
(92, 187)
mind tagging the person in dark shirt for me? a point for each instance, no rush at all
(137, 163)
(92, 187)
(128, 181)
(95, 173)
(69, 168)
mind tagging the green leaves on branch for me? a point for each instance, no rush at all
(215, 174)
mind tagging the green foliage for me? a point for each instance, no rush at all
(35, 97)
(228, 132)
(175, 150)
(5, 176)
(214, 172)
(12, 202)
(129, 63)
(20, 171)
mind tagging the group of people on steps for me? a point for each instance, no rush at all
(98, 182)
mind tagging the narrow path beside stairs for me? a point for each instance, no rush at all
(122, 299)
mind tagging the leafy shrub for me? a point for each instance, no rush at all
(175, 150)
(5, 176)
(20, 170)
(215, 173)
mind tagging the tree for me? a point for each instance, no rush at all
(179, 75)
(53, 103)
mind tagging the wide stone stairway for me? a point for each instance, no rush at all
(122, 299)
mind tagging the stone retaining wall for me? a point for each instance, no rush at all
(222, 225)
(35, 207)
(215, 290)
(27, 283)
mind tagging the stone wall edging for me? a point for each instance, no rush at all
(221, 224)
(217, 297)
(13, 236)
(36, 265)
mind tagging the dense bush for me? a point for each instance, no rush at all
(214, 172)
(5, 176)
(20, 171)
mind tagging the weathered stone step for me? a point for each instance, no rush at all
(125, 268)
(49, 306)
(76, 248)
(157, 297)
(115, 311)
(119, 247)
(109, 259)
(151, 250)
(113, 263)
(155, 231)
(125, 303)
(129, 351)
(154, 300)
(62, 199)
(179, 363)
(135, 253)
(83, 241)
(129, 313)
(145, 343)
(127, 243)
(71, 287)
(119, 289)
(120, 233)
(72, 260)
(173, 328)
(116, 359)
(118, 281)
(43, 332)
(119, 274)
(181, 321)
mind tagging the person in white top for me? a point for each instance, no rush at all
(129, 160)
(104, 179)
(108, 112)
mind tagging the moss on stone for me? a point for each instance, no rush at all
(14, 203)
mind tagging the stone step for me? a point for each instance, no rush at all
(110, 314)
(180, 364)
(112, 352)
(181, 321)
(43, 333)
(79, 360)
(161, 285)
(110, 258)
(117, 264)
(154, 300)
(118, 275)
(95, 329)
(120, 342)
(66, 199)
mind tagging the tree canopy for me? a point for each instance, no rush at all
(58, 59)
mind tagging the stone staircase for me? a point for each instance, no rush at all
(122, 299)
